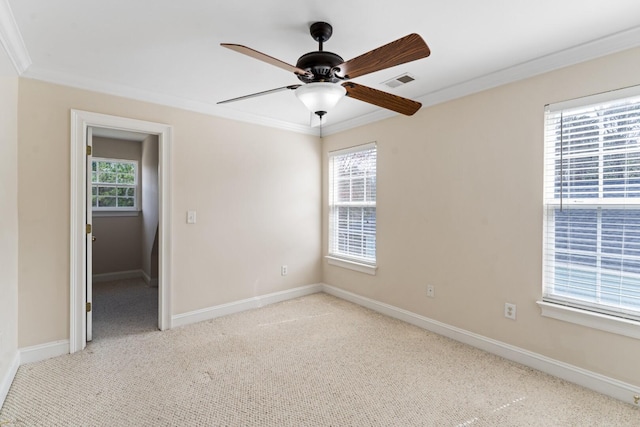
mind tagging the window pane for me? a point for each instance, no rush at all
(125, 202)
(357, 190)
(106, 201)
(352, 183)
(107, 191)
(126, 179)
(115, 183)
(592, 256)
(125, 168)
(621, 240)
(107, 167)
(621, 175)
(106, 178)
(371, 189)
(577, 178)
(356, 230)
(344, 190)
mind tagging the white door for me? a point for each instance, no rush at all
(90, 238)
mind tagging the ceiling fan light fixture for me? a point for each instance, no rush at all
(320, 97)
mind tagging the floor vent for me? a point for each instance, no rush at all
(399, 80)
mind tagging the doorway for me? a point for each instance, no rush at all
(123, 205)
(82, 122)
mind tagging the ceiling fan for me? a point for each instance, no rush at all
(325, 75)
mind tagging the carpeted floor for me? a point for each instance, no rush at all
(124, 307)
(313, 361)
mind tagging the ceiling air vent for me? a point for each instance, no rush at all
(399, 80)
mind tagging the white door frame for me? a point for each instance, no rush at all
(88, 185)
(80, 122)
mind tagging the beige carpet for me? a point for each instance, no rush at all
(313, 361)
(124, 307)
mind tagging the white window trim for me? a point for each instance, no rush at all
(340, 260)
(591, 319)
(124, 211)
(572, 314)
(110, 212)
(352, 265)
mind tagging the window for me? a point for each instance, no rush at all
(592, 204)
(352, 204)
(114, 184)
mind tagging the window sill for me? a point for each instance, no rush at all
(590, 319)
(98, 213)
(352, 265)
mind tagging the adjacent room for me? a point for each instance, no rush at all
(319, 213)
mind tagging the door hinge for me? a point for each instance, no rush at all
(88, 150)
(88, 307)
(88, 228)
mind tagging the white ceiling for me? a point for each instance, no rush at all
(168, 51)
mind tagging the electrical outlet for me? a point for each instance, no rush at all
(431, 291)
(283, 270)
(510, 311)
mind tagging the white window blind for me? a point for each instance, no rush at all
(352, 204)
(592, 204)
(114, 184)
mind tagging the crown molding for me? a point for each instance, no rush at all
(365, 119)
(11, 39)
(618, 42)
(594, 49)
(116, 89)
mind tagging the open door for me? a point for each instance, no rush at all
(90, 238)
(80, 283)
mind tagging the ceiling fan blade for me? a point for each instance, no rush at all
(266, 92)
(264, 57)
(406, 49)
(382, 99)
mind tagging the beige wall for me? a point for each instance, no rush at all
(8, 216)
(117, 149)
(118, 245)
(256, 191)
(460, 207)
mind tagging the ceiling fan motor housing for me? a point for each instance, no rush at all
(321, 65)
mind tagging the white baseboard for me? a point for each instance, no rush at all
(118, 275)
(591, 380)
(242, 305)
(7, 378)
(148, 280)
(45, 351)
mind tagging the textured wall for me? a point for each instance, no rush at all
(256, 191)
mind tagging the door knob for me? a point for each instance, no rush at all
(94, 238)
